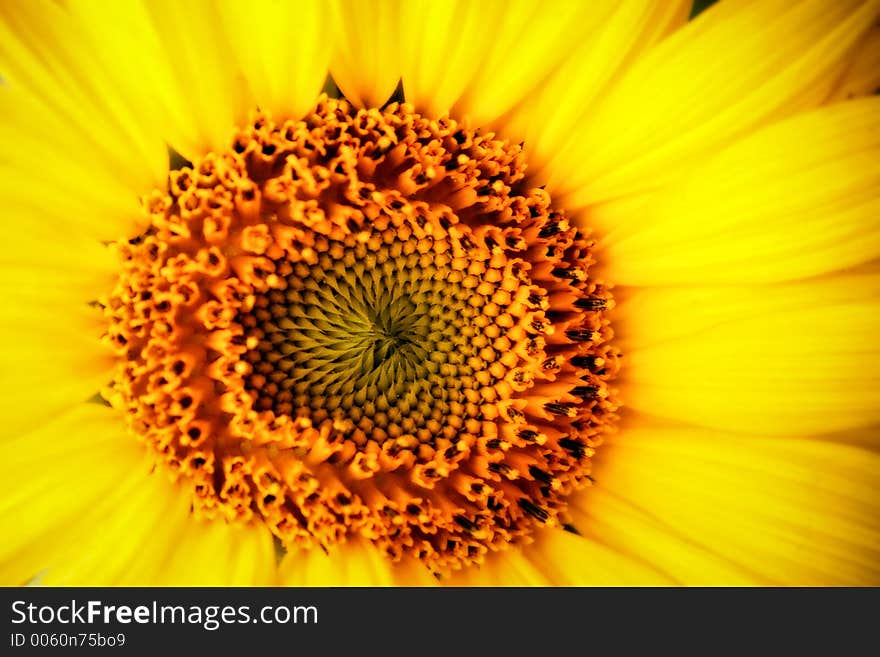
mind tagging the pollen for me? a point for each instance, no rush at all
(366, 323)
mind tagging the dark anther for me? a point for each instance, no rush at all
(465, 523)
(585, 392)
(573, 447)
(582, 335)
(515, 415)
(268, 149)
(571, 529)
(495, 443)
(540, 475)
(539, 326)
(557, 408)
(500, 468)
(584, 362)
(549, 230)
(535, 299)
(590, 303)
(535, 511)
(528, 435)
(550, 363)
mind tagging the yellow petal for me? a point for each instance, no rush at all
(442, 46)
(47, 56)
(185, 550)
(175, 61)
(737, 66)
(797, 199)
(650, 316)
(862, 77)
(510, 567)
(864, 437)
(40, 264)
(51, 358)
(53, 270)
(567, 559)
(608, 38)
(97, 91)
(365, 61)
(81, 505)
(807, 364)
(480, 60)
(630, 531)
(54, 221)
(148, 537)
(55, 177)
(353, 563)
(52, 478)
(792, 511)
(284, 51)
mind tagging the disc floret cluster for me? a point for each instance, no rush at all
(366, 323)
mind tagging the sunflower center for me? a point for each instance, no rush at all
(366, 323)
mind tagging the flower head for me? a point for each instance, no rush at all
(570, 295)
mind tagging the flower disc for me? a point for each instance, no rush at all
(365, 323)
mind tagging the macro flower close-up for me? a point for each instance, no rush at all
(395, 293)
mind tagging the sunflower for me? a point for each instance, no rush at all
(503, 293)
